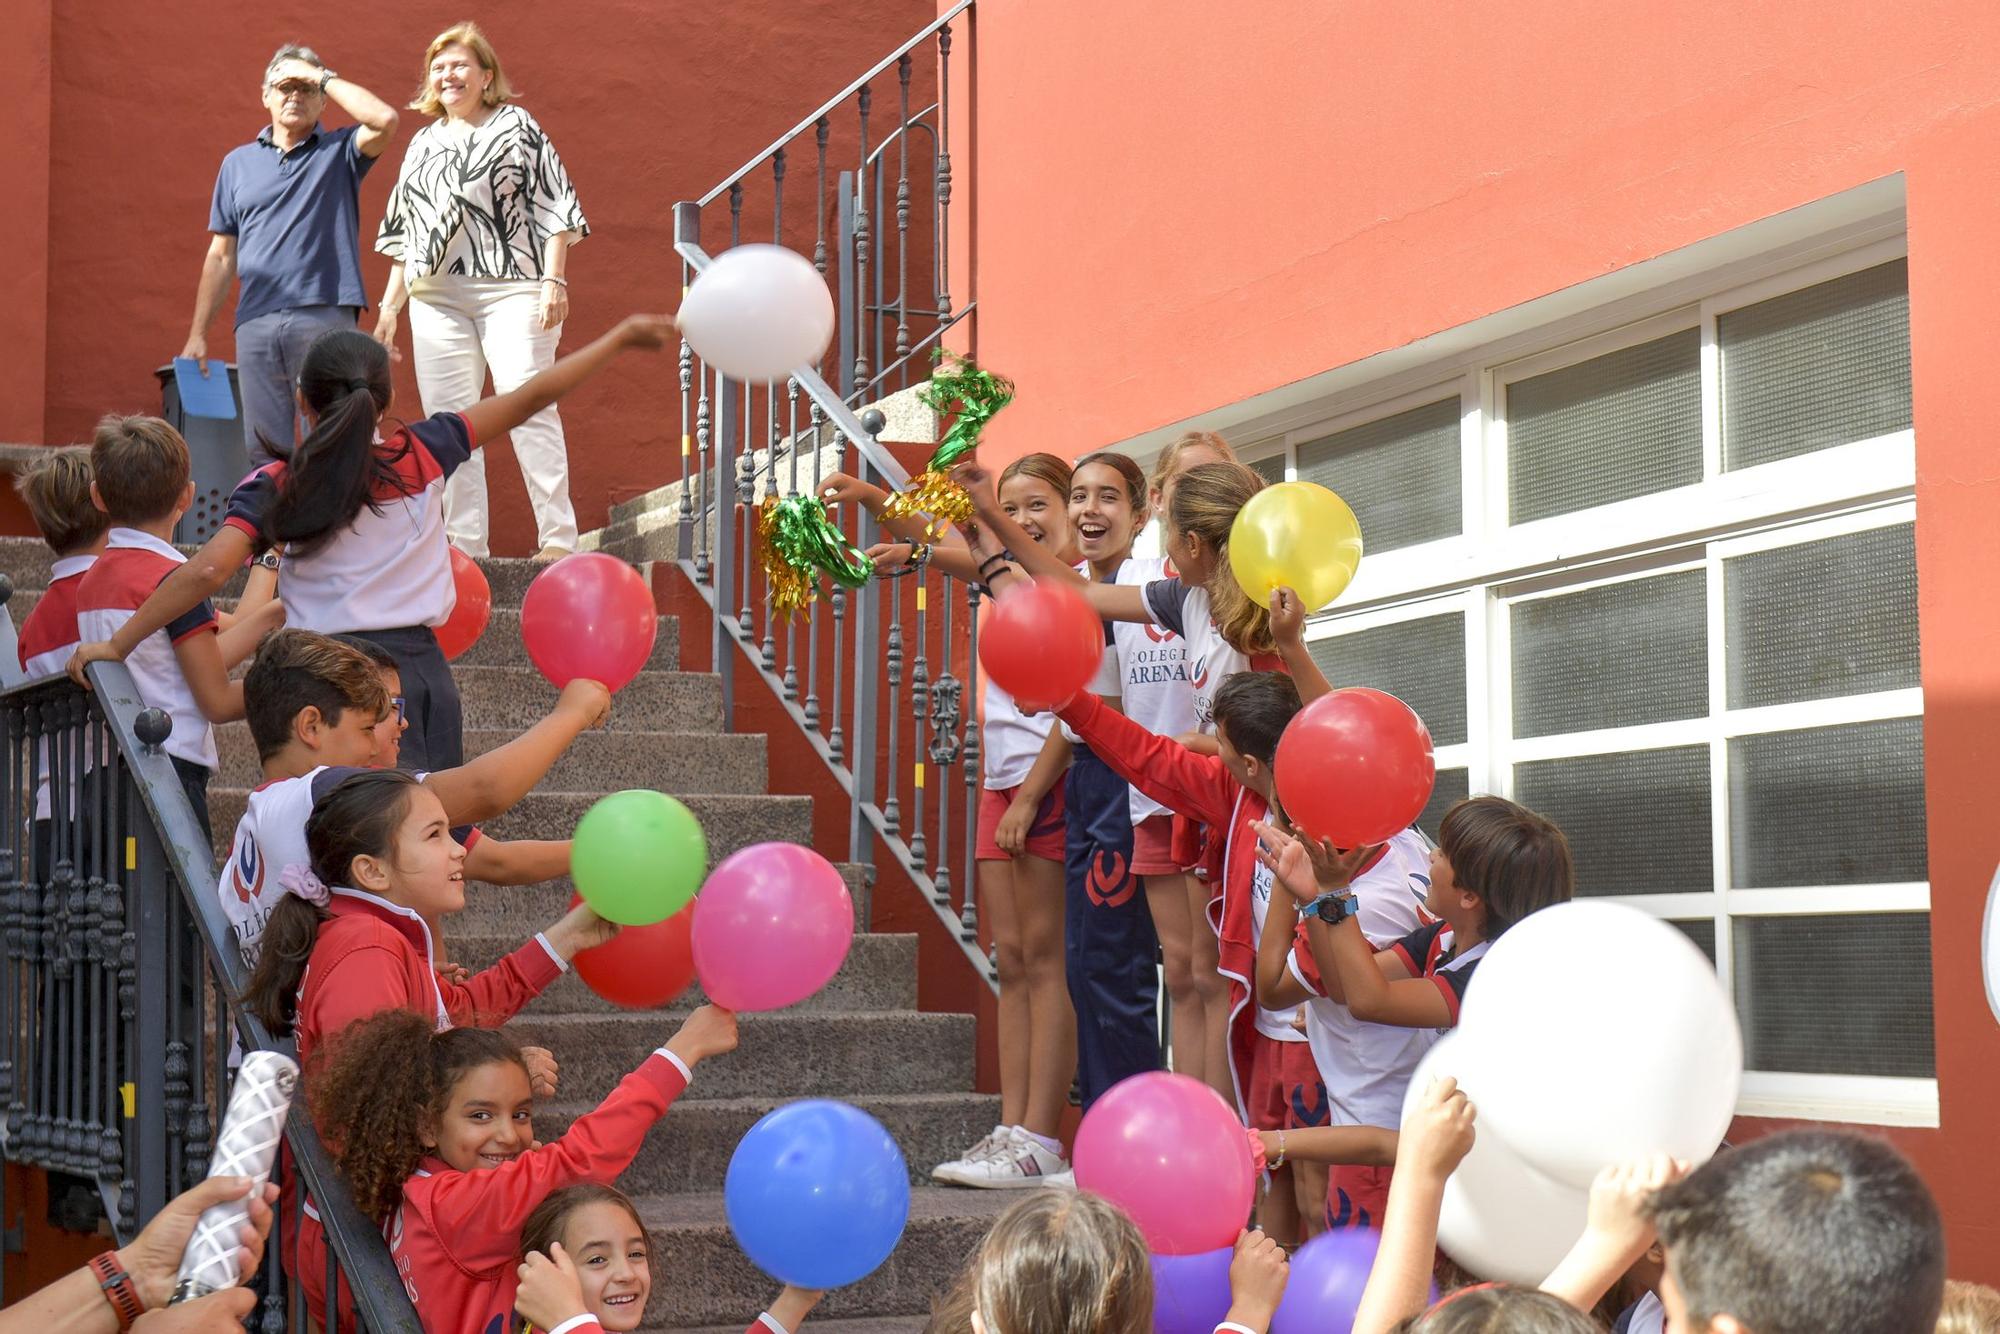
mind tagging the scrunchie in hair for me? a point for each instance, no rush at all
(301, 881)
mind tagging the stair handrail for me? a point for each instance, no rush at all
(172, 830)
(832, 103)
(687, 244)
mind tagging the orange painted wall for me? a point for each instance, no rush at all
(1179, 207)
(119, 113)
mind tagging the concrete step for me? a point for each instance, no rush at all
(874, 1324)
(675, 762)
(517, 697)
(691, 1148)
(501, 645)
(880, 974)
(799, 1053)
(516, 912)
(710, 1282)
(508, 578)
(730, 822)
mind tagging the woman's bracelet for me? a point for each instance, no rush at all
(556, 279)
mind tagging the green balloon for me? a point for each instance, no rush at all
(638, 857)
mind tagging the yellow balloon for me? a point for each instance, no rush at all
(1298, 535)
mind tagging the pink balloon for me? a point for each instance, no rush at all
(771, 927)
(589, 615)
(1170, 1153)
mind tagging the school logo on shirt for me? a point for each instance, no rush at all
(246, 870)
(1106, 882)
(1158, 634)
(1199, 673)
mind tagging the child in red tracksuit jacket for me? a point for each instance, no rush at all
(333, 956)
(433, 1132)
(586, 1268)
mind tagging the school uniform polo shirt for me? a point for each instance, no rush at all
(296, 217)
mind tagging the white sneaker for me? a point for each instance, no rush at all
(951, 1173)
(1019, 1161)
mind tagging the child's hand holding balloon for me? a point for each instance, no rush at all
(1257, 1275)
(1437, 1134)
(709, 1031)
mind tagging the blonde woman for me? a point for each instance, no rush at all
(479, 226)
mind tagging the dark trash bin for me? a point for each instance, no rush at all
(220, 458)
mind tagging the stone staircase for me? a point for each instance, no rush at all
(862, 1039)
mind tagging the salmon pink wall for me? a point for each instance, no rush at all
(119, 113)
(1181, 206)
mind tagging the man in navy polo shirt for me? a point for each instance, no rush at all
(286, 219)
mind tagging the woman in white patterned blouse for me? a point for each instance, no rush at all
(479, 226)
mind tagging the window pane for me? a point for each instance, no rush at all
(1420, 662)
(1451, 788)
(1399, 475)
(1637, 822)
(1271, 467)
(1820, 619)
(1702, 932)
(1830, 806)
(1846, 995)
(1818, 367)
(1621, 425)
(1613, 656)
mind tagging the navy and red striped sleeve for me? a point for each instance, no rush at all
(446, 437)
(1415, 949)
(250, 503)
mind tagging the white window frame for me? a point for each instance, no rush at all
(1494, 564)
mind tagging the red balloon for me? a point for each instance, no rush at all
(1041, 643)
(642, 967)
(1355, 766)
(474, 608)
(591, 616)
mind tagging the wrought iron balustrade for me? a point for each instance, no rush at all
(880, 678)
(119, 986)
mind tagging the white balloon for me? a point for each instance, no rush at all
(758, 312)
(1501, 1219)
(1603, 1035)
(1989, 949)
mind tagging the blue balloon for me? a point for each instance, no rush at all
(1324, 1287)
(817, 1194)
(1191, 1292)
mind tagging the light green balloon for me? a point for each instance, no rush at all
(638, 857)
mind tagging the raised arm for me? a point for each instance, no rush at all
(1435, 1139)
(995, 533)
(1373, 984)
(493, 417)
(1276, 987)
(484, 787)
(1617, 1231)
(524, 861)
(1288, 630)
(378, 118)
(201, 576)
(838, 488)
(218, 270)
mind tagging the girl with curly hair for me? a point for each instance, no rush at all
(434, 1134)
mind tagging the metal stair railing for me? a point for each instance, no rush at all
(120, 982)
(878, 679)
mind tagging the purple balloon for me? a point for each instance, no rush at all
(1326, 1281)
(1191, 1292)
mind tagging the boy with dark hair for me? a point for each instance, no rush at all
(1278, 1084)
(56, 490)
(142, 480)
(317, 709)
(1803, 1232)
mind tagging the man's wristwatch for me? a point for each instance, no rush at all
(326, 77)
(1333, 908)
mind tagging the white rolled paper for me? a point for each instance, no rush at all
(247, 1146)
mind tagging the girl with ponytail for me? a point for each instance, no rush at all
(356, 515)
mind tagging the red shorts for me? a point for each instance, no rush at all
(1356, 1196)
(1305, 1093)
(1267, 1098)
(1152, 846)
(1186, 842)
(1045, 836)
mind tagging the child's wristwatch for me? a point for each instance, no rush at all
(1333, 907)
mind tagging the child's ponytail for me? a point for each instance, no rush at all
(379, 1089)
(1205, 502)
(272, 993)
(335, 470)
